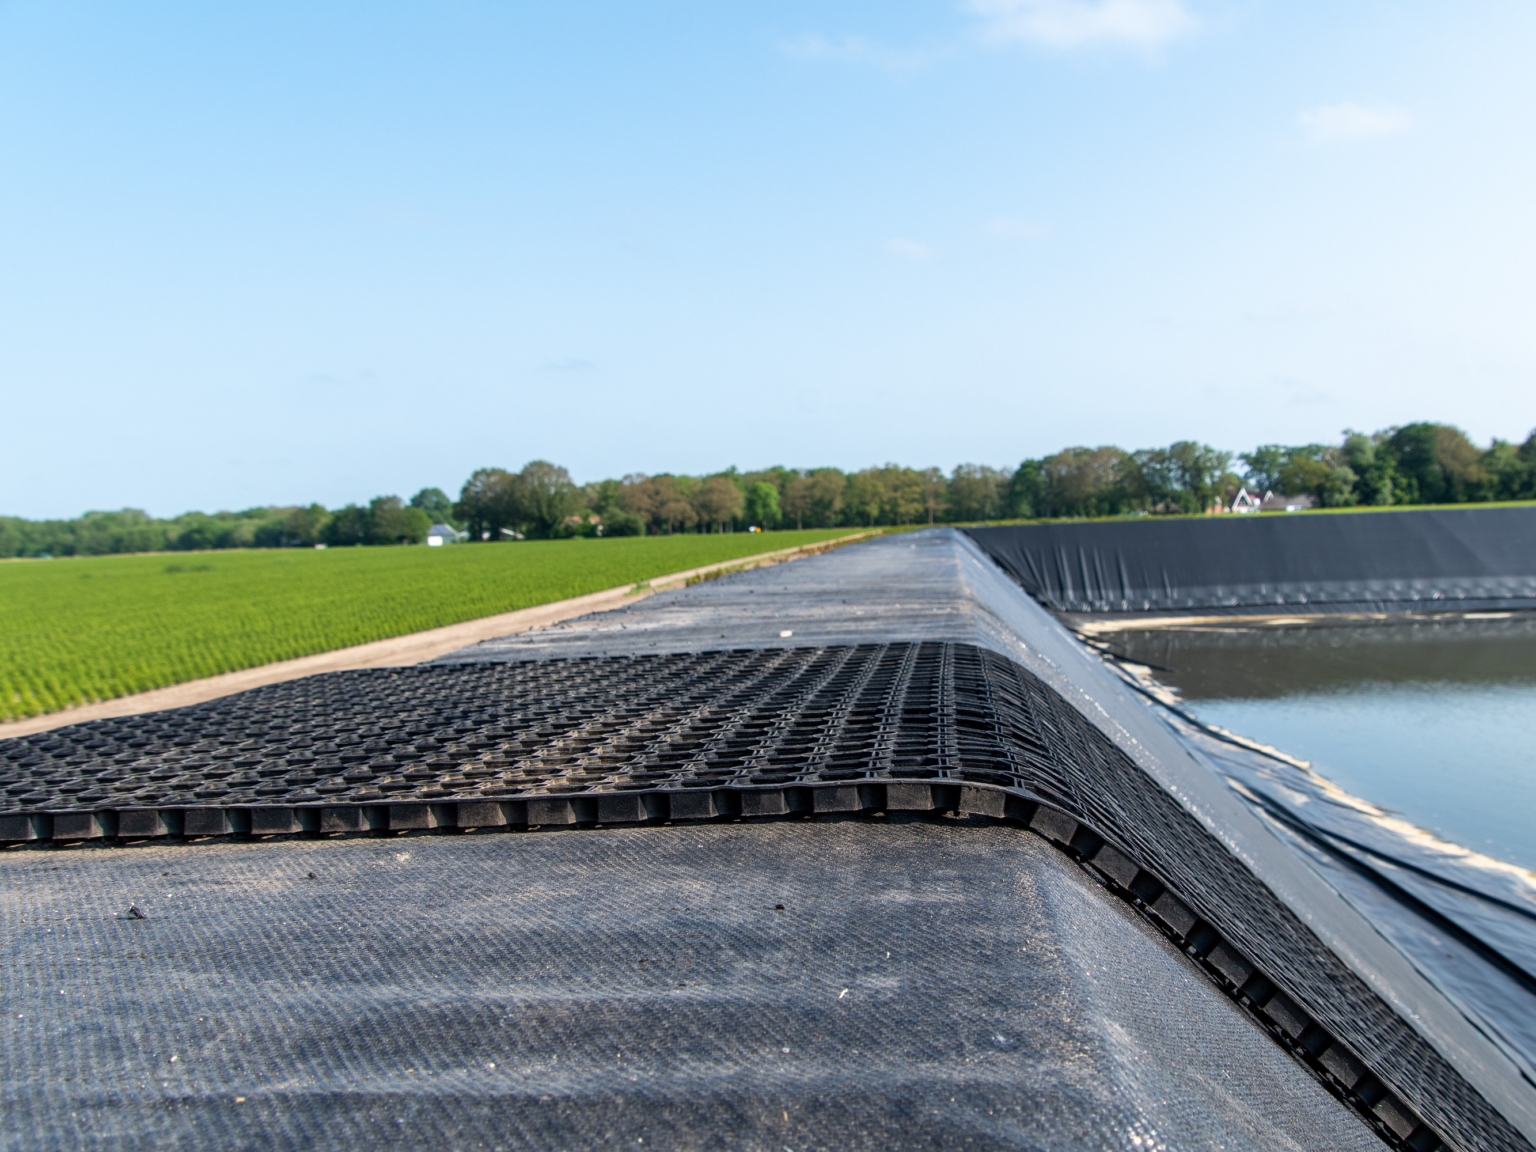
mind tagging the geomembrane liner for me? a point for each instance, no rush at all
(893, 728)
(1423, 560)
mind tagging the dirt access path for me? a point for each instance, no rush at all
(400, 651)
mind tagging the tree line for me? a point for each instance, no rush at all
(384, 520)
(1423, 463)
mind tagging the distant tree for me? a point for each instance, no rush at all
(1264, 465)
(796, 499)
(196, 531)
(1523, 483)
(487, 503)
(778, 476)
(14, 533)
(717, 501)
(1319, 470)
(1199, 469)
(1511, 470)
(906, 493)
(762, 504)
(1026, 490)
(1438, 464)
(935, 496)
(1374, 469)
(675, 513)
(304, 526)
(1084, 482)
(888, 495)
(637, 494)
(1184, 477)
(390, 521)
(618, 522)
(827, 487)
(239, 532)
(605, 500)
(1528, 449)
(1338, 490)
(977, 492)
(661, 501)
(347, 526)
(127, 530)
(601, 497)
(436, 504)
(545, 498)
(865, 495)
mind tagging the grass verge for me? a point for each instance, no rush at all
(74, 631)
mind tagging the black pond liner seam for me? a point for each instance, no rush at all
(916, 727)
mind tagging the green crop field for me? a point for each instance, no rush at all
(92, 628)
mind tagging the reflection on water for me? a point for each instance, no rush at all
(1434, 719)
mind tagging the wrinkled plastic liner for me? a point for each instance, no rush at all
(916, 728)
(1440, 560)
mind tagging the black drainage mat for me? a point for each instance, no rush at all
(879, 728)
(581, 728)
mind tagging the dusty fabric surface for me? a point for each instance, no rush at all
(924, 985)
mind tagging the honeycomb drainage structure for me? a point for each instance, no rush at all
(863, 851)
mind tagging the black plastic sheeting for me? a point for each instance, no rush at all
(800, 986)
(1462, 559)
(1466, 920)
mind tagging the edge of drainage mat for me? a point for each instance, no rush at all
(1330, 1060)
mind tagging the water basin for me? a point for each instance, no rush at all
(1435, 719)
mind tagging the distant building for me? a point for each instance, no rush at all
(440, 534)
(1248, 501)
(1273, 503)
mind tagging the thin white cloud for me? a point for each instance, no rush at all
(910, 249)
(857, 50)
(1067, 24)
(1349, 121)
(1012, 228)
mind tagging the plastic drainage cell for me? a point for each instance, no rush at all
(747, 734)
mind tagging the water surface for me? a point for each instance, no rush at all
(1436, 720)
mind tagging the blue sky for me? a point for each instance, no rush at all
(289, 252)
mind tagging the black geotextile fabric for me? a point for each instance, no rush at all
(845, 985)
(1430, 560)
(724, 735)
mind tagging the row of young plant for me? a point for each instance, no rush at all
(1423, 463)
(70, 633)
